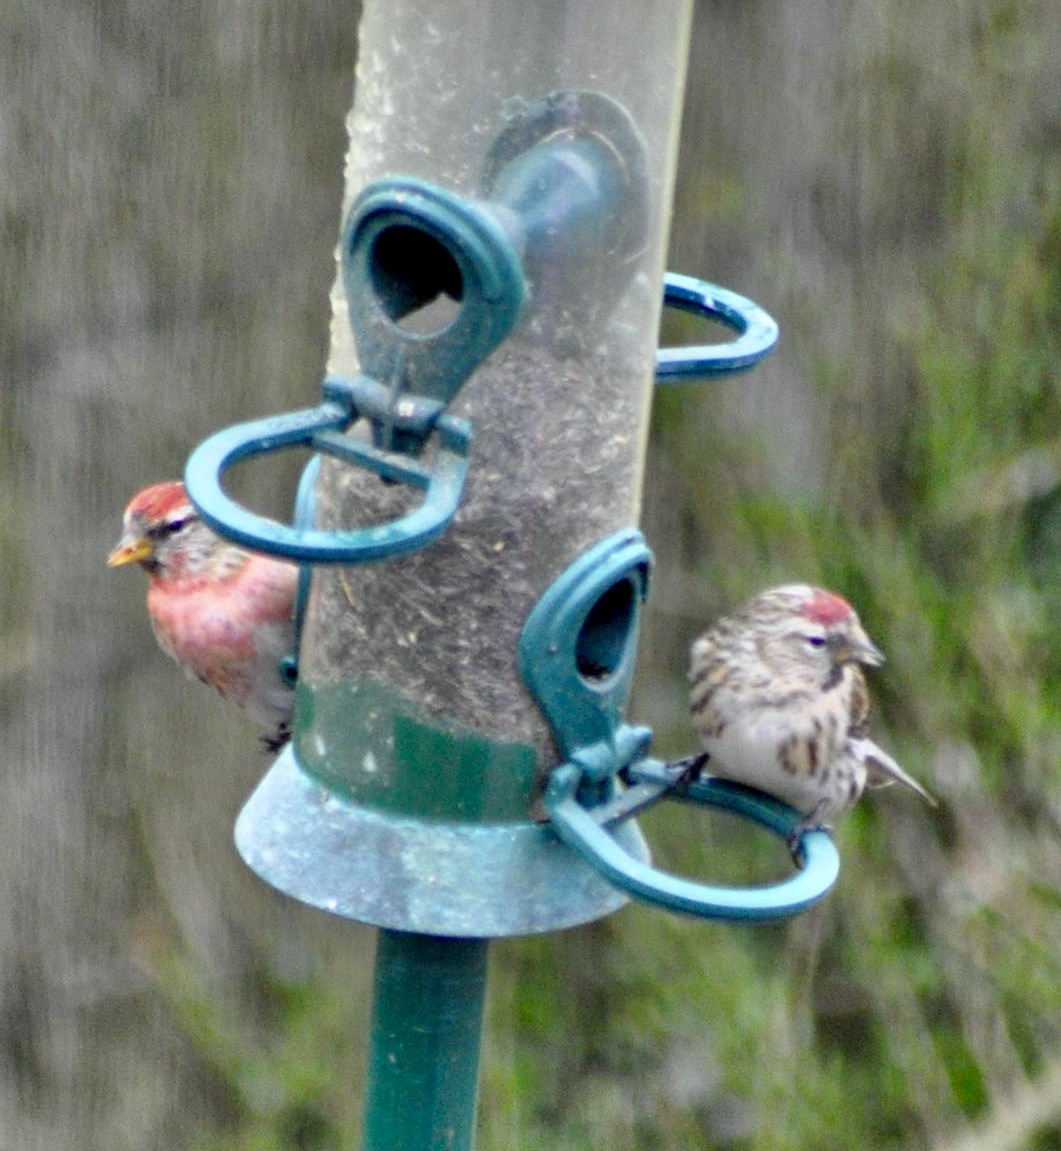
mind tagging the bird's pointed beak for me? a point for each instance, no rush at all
(870, 654)
(859, 648)
(130, 550)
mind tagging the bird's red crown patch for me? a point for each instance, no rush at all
(827, 608)
(158, 501)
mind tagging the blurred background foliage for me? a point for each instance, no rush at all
(885, 178)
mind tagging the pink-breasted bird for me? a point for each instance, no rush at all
(224, 614)
(780, 702)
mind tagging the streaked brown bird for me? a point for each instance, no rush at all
(780, 702)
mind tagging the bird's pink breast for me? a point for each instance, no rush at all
(212, 629)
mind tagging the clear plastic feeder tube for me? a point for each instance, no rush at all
(560, 410)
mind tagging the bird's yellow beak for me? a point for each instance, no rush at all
(130, 550)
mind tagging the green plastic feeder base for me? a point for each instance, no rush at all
(478, 880)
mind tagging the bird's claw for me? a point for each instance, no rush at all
(689, 769)
(794, 839)
(679, 772)
(275, 742)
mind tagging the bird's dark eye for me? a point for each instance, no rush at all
(171, 527)
(816, 640)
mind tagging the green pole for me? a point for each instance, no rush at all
(423, 1062)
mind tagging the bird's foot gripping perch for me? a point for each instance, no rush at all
(690, 769)
(812, 822)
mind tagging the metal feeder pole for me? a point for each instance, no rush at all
(423, 1066)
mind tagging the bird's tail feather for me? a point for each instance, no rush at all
(884, 771)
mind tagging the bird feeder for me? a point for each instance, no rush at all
(461, 767)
